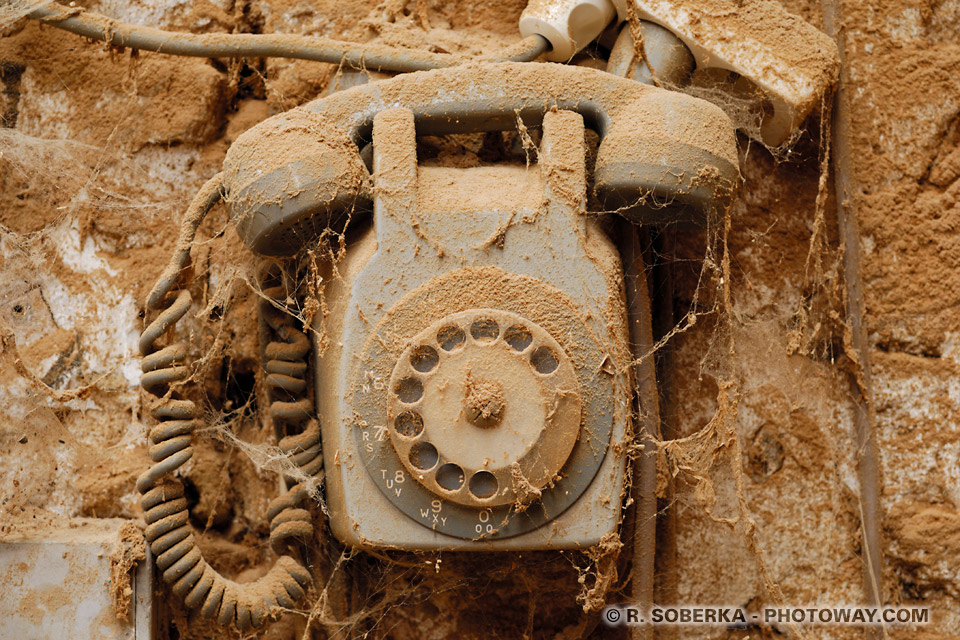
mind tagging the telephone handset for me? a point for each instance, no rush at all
(663, 155)
(474, 385)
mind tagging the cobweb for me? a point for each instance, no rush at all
(380, 594)
(387, 585)
(375, 592)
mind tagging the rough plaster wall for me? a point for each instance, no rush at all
(795, 421)
(85, 243)
(905, 62)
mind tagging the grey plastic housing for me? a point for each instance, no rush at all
(440, 245)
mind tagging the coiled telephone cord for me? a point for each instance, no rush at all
(291, 409)
(168, 531)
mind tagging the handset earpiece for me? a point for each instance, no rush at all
(289, 178)
(294, 174)
(659, 161)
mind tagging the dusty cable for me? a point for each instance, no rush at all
(645, 471)
(661, 253)
(861, 383)
(371, 56)
(648, 423)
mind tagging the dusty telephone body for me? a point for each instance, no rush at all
(459, 368)
(474, 387)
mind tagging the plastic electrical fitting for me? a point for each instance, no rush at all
(672, 62)
(569, 25)
(788, 60)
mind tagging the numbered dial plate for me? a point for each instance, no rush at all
(484, 408)
(477, 409)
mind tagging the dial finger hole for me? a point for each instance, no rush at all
(519, 338)
(408, 424)
(424, 359)
(409, 390)
(451, 337)
(450, 477)
(484, 330)
(544, 361)
(483, 484)
(423, 456)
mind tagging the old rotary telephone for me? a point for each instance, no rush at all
(474, 393)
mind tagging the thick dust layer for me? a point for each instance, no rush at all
(101, 150)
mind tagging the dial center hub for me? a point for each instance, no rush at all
(483, 402)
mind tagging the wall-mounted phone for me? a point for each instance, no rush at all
(430, 325)
(475, 383)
